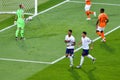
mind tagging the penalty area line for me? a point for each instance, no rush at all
(24, 61)
(59, 59)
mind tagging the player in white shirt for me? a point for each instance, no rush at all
(70, 42)
(85, 41)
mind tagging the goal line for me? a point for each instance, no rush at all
(109, 4)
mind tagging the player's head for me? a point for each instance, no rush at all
(21, 6)
(69, 32)
(102, 10)
(84, 33)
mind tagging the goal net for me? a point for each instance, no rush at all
(11, 6)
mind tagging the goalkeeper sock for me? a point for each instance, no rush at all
(22, 33)
(17, 32)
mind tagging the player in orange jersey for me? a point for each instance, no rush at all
(101, 24)
(87, 9)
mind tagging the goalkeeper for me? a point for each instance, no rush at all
(20, 22)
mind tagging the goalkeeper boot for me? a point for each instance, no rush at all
(16, 38)
(22, 38)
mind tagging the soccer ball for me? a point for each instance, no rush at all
(30, 18)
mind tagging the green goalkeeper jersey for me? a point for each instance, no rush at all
(20, 18)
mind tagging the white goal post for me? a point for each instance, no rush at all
(11, 6)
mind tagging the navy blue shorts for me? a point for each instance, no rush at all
(70, 51)
(85, 52)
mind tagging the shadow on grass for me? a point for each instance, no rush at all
(43, 36)
(90, 74)
(74, 74)
(22, 45)
(107, 47)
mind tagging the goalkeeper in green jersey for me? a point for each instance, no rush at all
(20, 22)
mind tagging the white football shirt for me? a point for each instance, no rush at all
(85, 42)
(70, 44)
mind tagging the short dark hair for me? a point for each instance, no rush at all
(70, 30)
(84, 32)
(102, 9)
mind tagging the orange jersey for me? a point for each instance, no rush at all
(88, 2)
(102, 19)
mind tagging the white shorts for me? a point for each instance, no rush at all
(100, 28)
(87, 7)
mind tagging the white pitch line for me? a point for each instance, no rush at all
(59, 59)
(25, 61)
(8, 27)
(37, 14)
(51, 8)
(28, 61)
(97, 3)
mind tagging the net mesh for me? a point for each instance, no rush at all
(13, 5)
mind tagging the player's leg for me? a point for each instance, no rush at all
(67, 53)
(70, 56)
(17, 30)
(81, 61)
(88, 15)
(103, 35)
(22, 30)
(98, 31)
(17, 33)
(90, 56)
(84, 53)
(87, 8)
(71, 52)
(88, 12)
(91, 12)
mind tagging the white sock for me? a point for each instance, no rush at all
(82, 60)
(89, 56)
(71, 60)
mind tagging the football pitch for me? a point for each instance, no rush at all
(41, 55)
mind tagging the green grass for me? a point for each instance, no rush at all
(45, 42)
(106, 66)
(7, 20)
